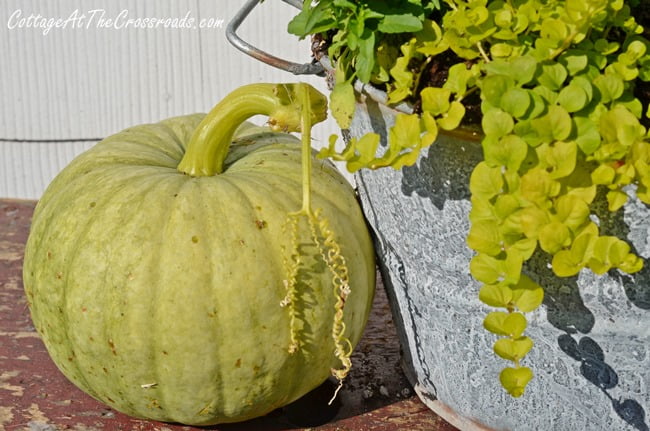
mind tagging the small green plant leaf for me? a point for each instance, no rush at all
(603, 174)
(573, 98)
(566, 264)
(497, 123)
(431, 38)
(494, 87)
(554, 236)
(525, 247)
(527, 295)
(495, 295)
(400, 23)
(532, 219)
(485, 268)
(560, 122)
(435, 100)
(507, 324)
(575, 61)
(460, 77)
(538, 186)
(588, 136)
(342, 100)
(509, 151)
(611, 87)
(553, 75)
(564, 156)
(513, 349)
(516, 102)
(485, 181)
(514, 380)
(572, 211)
(484, 237)
(506, 205)
(452, 118)
(631, 264)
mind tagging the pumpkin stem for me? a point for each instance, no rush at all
(282, 103)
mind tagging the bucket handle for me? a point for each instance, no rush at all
(313, 68)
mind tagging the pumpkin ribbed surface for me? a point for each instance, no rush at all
(159, 293)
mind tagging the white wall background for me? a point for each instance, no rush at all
(61, 90)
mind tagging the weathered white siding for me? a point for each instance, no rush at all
(85, 82)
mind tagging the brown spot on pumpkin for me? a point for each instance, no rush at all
(195, 239)
(59, 275)
(261, 162)
(112, 346)
(238, 363)
(92, 204)
(84, 309)
(261, 224)
(242, 242)
(49, 255)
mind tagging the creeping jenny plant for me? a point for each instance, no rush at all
(558, 84)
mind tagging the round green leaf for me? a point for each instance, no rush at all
(435, 100)
(514, 380)
(452, 118)
(527, 295)
(497, 123)
(560, 122)
(509, 151)
(485, 181)
(575, 61)
(516, 102)
(553, 237)
(571, 211)
(495, 295)
(572, 98)
(616, 199)
(553, 75)
(513, 349)
(508, 324)
(484, 237)
(485, 268)
(566, 264)
(494, 87)
(611, 87)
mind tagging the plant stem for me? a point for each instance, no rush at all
(209, 145)
(306, 147)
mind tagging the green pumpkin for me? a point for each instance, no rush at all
(157, 285)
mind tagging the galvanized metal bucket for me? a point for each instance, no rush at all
(592, 336)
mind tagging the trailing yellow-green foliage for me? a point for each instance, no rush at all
(561, 123)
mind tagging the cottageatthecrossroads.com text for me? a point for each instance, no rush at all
(101, 19)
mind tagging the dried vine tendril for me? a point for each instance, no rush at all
(330, 252)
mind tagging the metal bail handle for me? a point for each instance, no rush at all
(245, 47)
